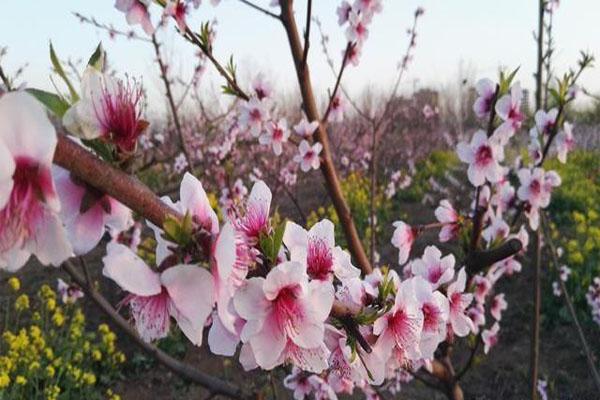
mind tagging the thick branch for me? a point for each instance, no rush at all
(478, 260)
(327, 166)
(213, 384)
(111, 181)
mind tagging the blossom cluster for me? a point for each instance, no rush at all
(593, 299)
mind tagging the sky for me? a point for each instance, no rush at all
(456, 39)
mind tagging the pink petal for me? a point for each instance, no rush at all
(129, 271)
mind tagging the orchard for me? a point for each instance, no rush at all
(256, 243)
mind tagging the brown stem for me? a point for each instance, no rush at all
(307, 33)
(112, 181)
(478, 260)
(535, 323)
(327, 166)
(164, 77)
(540, 55)
(586, 347)
(259, 8)
(213, 384)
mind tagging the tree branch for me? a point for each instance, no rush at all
(327, 166)
(112, 181)
(164, 77)
(478, 260)
(259, 8)
(307, 33)
(213, 384)
(586, 347)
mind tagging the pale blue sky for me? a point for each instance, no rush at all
(480, 34)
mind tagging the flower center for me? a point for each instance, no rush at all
(319, 260)
(24, 209)
(484, 155)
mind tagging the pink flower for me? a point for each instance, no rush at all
(459, 301)
(403, 239)
(309, 156)
(136, 12)
(69, 294)
(230, 263)
(504, 196)
(536, 186)
(477, 314)
(483, 156)
(178, 10)
(276, 134)
(368, 7)
(496, 229)
(299, 382)
(564, 142)
(346, 365)
(436, 309)
(338, 107)
(447, 215)
(108, 108)
(306, 129)
(508, 109)
(316, 250)
(86, 212)
(546, 121)
(433, 268)
(486, 89)
(357, 30)
(256, 217)
(400, 328)
(155, 297)
(283, 307)
(29, 205)
(253, 115)
(343, 12)
(482, 288)
(565, 272)
(193, 200)
(262, 88)
(490, 337)
(499, 304)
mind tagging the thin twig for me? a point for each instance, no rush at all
(259, 8)
(535, 322)
(164, 77)
(586, 347)
(307, 33)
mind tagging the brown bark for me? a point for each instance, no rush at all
(327, 166)
(112, 181)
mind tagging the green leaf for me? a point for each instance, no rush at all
(98, 59)
(61, 72)
(103, 149)
(278, 239)
(56, 104)
(266, 245)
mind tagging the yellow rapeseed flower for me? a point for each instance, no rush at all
(20, 380)
(50, 304)
(4, 380)
(14, 283)
(50, 371)
(58, 319)
(96, 355)
(22, 302)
